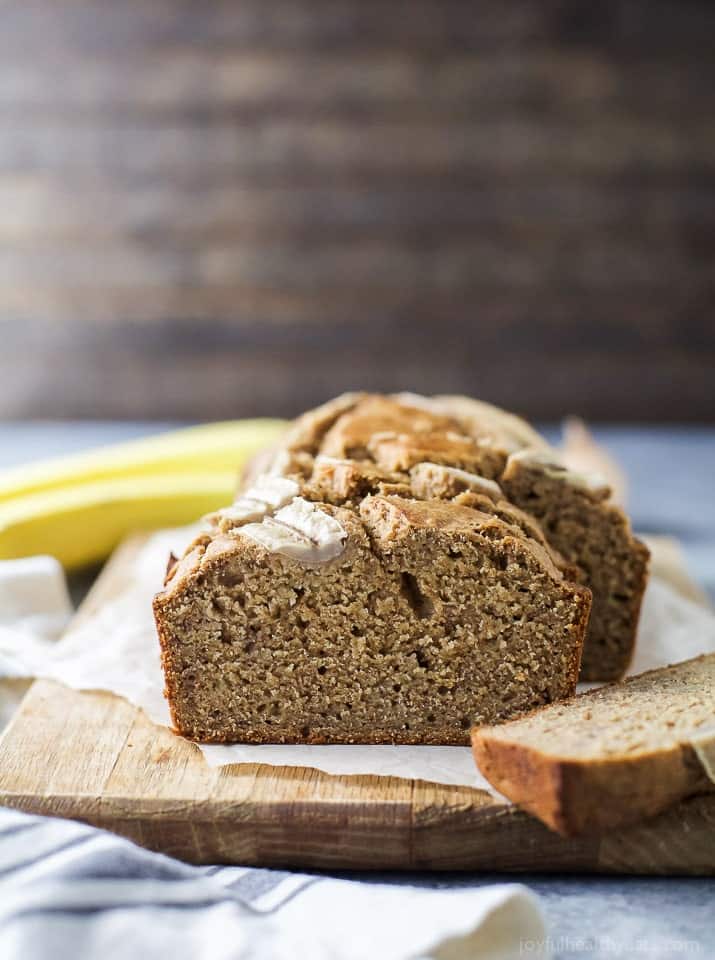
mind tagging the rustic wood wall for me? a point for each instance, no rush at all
(245, 206)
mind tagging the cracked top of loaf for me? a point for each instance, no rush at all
(313, 533)
(398, 432)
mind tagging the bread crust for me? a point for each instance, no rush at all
(573, 796)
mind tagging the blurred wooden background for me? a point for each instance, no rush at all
(244, 207)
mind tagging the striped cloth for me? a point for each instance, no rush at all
(71, 892)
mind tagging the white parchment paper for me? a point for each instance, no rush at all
(116, 649)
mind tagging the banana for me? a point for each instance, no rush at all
(81, 525)
(218, 446)
(79, 508)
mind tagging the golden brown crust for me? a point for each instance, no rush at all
(402, 516)
(402, 451)
(483, 420)
(308, 431)
(439, 737)
(573, 798)
(171, 691)
(171, 564)
(350, 481)
(561, 765)
(350, 435)
(640, 562)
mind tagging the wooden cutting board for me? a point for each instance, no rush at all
(96, 758)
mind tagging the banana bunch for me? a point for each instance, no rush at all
(78, 508)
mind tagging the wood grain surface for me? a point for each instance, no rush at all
(94, 757)
(229, 209)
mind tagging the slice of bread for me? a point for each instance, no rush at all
(612, 756)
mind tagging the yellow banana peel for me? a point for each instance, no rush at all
(213, 446)
(79, 508)
(83, 524)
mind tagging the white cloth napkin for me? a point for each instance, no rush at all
(35, 608)
(68, 891)
(34, 605)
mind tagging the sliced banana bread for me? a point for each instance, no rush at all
(611, 756)
(388, 620)
(406, 436)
